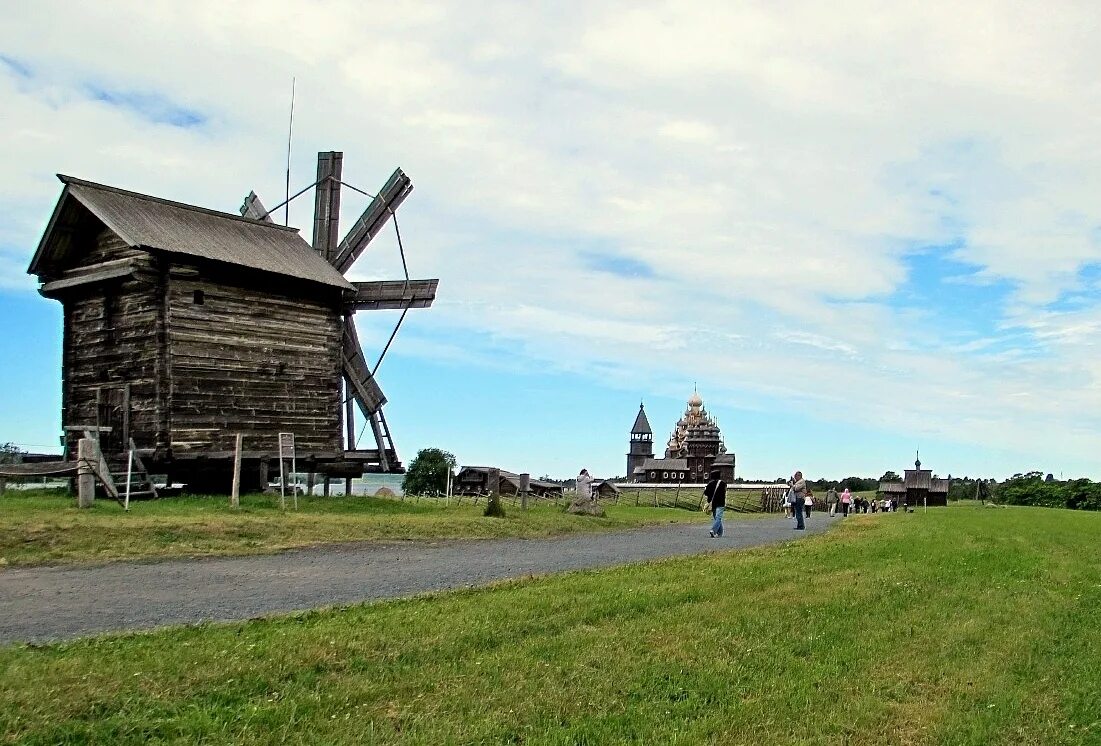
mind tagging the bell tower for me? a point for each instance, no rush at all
(641, 446)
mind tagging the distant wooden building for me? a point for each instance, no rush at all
(474, 480)
(606, 489)
(185, 326)
(641, 445)
(917, 488)
(663, 471)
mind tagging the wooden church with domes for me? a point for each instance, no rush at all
(695, 446)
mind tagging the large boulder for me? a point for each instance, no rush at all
(585, 506)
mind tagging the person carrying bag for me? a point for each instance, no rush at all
(715, 494)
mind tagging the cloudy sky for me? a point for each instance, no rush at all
(860, 228)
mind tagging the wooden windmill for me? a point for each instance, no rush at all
(361, 387)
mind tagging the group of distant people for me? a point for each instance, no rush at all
(798, 502)
(847, 501)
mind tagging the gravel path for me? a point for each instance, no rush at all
(57, 603)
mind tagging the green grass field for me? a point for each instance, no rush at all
(962, 625)
(46, 527)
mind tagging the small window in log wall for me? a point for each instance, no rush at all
(198, 297)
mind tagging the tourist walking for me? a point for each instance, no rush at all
(798, 493)
(846, 501)
(715, 494)
(831, 501)
(584, 485)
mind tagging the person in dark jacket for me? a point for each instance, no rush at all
(715, 493)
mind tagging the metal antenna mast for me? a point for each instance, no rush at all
(290, 130)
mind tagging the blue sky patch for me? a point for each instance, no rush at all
(615, 264)
(1089, 279)
(17, 68)
(152, 107)
(964, 306)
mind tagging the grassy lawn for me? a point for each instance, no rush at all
(962, 625)
(45, 527)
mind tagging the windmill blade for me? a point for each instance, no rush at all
(254, 208)
(364, 389)
(392, 194)
(394, 294)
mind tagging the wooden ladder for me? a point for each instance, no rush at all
(141, 484)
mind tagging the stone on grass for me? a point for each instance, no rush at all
(585, 506)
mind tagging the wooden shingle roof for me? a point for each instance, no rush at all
(668, 464)
(918, 479)
(156, 224)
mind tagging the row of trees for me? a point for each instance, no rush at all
(1033, 488)
(10, 454)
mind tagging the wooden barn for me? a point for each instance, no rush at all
(474, 480)
(185, 326)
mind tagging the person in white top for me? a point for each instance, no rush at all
(584, 484)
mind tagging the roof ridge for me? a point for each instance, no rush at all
(73, 180)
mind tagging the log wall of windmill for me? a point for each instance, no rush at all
(252, 359)
(110, 358)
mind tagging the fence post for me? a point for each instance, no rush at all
(525, 483)
(86, 480)
(235, 494)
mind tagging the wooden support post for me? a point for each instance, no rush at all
(493, 481)
(310, 477)
(525, 484)
(235, 495)
(326, 485)
(265, 465)
(86, 479)
(347, 486)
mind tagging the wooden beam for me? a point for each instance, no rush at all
(364, 388)
(92, 273)
(253, 208)
(373, 219)
(326, 212)
(394, 294)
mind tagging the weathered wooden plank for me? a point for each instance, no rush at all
(364, 387)
(253, 208)
(327, 204)
(373, 219)
(394, 294)
(88, 274)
